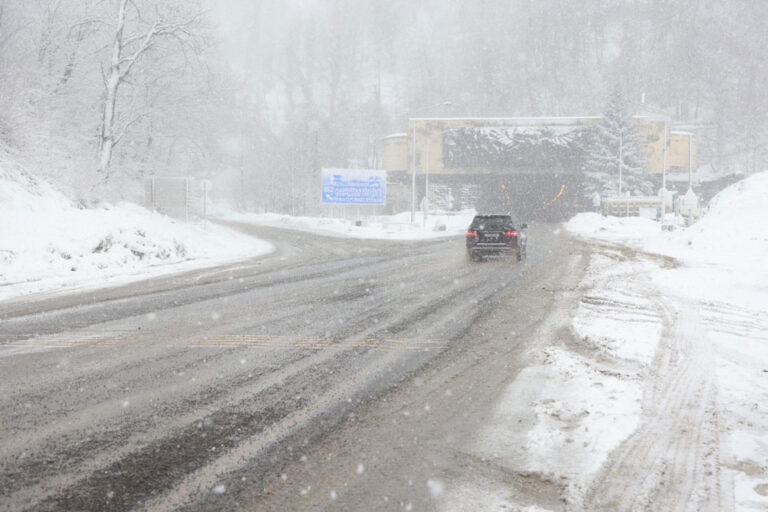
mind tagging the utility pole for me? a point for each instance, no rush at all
(426, 186)
(664, 160)
(413, 158)
(413, 175)
(621, 158)
(690, 161)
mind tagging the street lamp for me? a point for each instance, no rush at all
(413, 158)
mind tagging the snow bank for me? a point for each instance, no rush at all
(384, 227)
(612, 229)
(48, 242)
(731, 235)
(562, 417)
(724, 277)
(575, 411)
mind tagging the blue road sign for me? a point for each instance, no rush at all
(354, 186)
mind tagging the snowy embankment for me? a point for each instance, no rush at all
(581, 397)
(717, 298)
(382, 227)
(47, 242)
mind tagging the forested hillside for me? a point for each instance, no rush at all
(258, 95)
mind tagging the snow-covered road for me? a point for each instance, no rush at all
(203, 389)
(602, 374)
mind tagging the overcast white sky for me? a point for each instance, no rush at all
(235, 18)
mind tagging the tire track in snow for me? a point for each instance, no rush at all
(670, 462)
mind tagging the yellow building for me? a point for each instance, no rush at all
(429, 135)
(529, 164)
(681, 154)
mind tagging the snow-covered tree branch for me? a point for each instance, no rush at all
(127, 50)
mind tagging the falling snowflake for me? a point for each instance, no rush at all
(436, 487)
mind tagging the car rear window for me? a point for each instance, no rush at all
(495, 222)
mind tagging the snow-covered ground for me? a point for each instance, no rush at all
(716, 296)
(47, 242)
(582, 395)
(384, 227)
(651, 393)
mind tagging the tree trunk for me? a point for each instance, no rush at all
(107, 142)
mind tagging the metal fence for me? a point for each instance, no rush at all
(631, 206)
(172, 196)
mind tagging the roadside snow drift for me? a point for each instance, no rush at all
(718, 294)
(48, 242)
(732, 234)
(382, 227)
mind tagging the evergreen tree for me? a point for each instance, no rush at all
(616, 139)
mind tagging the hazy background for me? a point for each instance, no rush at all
(258, 95)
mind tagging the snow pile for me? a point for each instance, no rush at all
(723, 278)
(731, 234)
(48, 242)
(575, 411)
(612, 229)
(384, 227)
(562, 417)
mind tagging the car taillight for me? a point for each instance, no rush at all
(471, 233)
(511, 234)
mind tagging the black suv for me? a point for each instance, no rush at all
(496, 235)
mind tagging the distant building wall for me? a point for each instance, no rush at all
(678, 152)
(651, 134)
(397, 150)
(394, 152)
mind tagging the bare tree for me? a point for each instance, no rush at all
(127, 50)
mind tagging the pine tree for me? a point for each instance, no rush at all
(616, 139)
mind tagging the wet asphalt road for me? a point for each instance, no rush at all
(161, 395)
